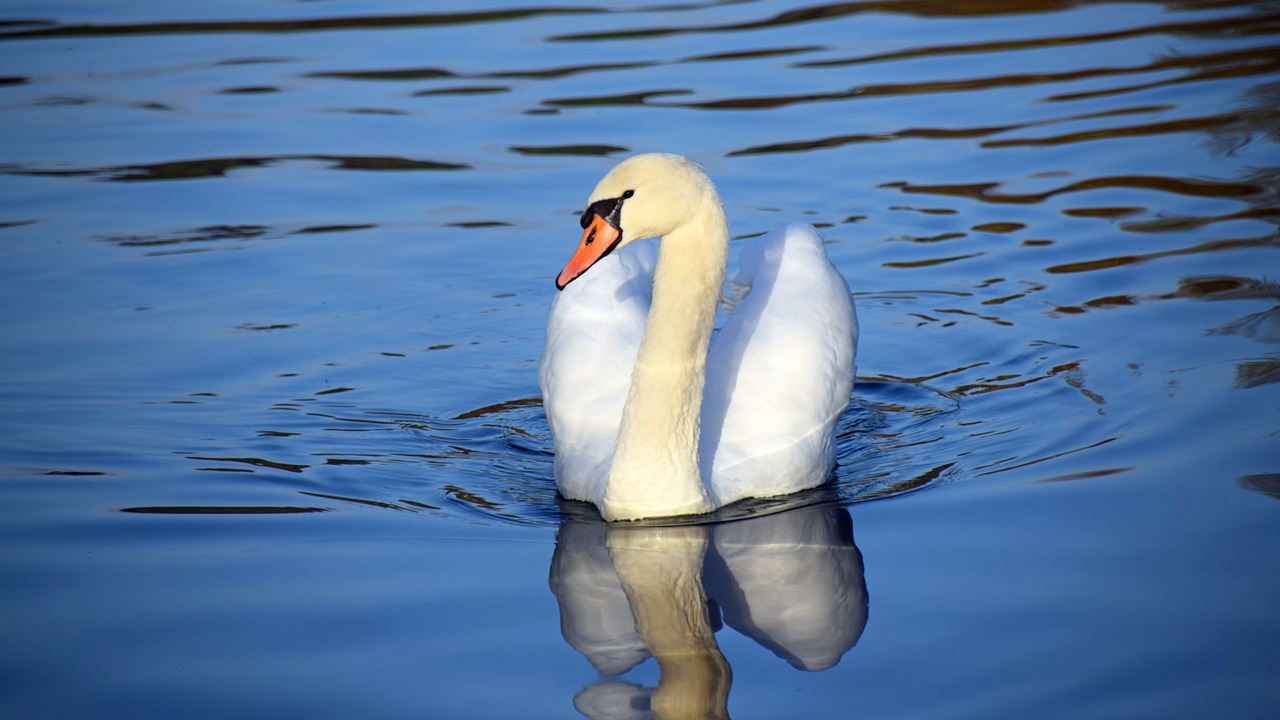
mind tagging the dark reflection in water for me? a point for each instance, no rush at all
(219, 167)
(51, 29)
(791, 581)
(596, 150)
(1192, 187)
(1264, 241)
(1267, 484)
(815, 13)
(1261, 23)
(222, 510)
(1261, 326)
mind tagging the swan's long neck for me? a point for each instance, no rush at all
(655, 467)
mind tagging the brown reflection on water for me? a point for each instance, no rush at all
(1204, 247)
(1255, 373)
(1205, 66)
(1261, 326)
(582, 150)
(1208, 123)
(1266, 484)
(1259, 113)
(48, 29)
(834, 11)
(1213, 287)
(1194, 187)
(1234, 26)
(1071, 372)
(635, 98)
(1258, 190)
(219, 167)
(935, 133)
(547, 73)
(1197, 67)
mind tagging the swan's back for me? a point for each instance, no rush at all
(780, 372)
(594, 329)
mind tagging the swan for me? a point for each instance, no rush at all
(651, 416)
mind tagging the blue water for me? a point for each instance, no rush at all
(273, 279)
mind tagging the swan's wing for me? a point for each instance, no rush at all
(780, 371)
(593, 333)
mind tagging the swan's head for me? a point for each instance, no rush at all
(644, 196)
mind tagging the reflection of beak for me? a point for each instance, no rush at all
(599, 238)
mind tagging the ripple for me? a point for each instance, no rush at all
(320, 229)
(222, 510)
(397, 74)
(934, 133)
(1218, 26)
(1209, 288)
(220, 167)
(373, 111)
(834, 11)
(369, 22)
(1194, 187)
(999, 227)
(635, 98)
(1266, 484)
(1104, 212)
(250, 90)
(929, 262)
(1195, 124)
(493, 464)
(581, 150)
(464, 90)
(1115, 261)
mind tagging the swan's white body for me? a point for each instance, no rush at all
(652, 417)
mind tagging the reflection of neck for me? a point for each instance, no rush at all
(661, 573)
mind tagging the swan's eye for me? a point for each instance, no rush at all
(628, 194)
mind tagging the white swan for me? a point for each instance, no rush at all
(652, 418)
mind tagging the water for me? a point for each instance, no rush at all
(275, 276)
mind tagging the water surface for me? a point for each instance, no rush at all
(274, 281)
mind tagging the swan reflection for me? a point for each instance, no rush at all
(791, 581)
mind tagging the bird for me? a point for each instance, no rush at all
(654, 412)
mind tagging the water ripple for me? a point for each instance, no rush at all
(219, 167)
(44, 29)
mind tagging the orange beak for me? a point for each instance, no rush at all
(599, 238)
